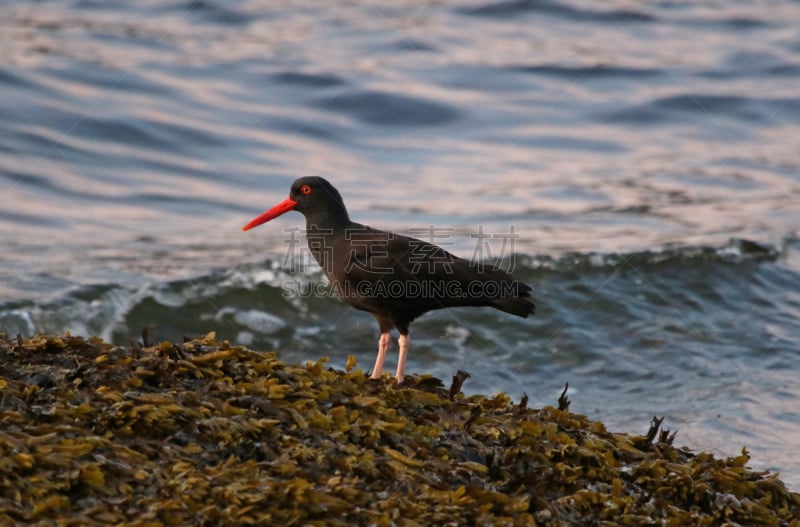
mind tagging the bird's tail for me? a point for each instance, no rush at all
(520, 304)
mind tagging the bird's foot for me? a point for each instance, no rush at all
(401, 360)
(383, 346)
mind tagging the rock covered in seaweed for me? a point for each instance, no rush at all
(204, 433)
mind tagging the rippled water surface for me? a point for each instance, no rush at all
(647, 155)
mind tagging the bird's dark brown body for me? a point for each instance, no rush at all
(396, 278)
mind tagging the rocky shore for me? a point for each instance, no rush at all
(206, 433)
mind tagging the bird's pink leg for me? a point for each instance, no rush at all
(383, 347)
(401, 360)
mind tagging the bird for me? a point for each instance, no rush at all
(394, 277)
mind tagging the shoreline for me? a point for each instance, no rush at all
(206, 433)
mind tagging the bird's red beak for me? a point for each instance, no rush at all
(281, 208)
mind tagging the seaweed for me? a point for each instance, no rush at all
(206, 433)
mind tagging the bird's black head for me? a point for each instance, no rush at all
(315, 194)
(316, 198)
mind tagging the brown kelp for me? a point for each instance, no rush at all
(205, 433)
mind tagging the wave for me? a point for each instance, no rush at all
(254, 301)
(735, 251)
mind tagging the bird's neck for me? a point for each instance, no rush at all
(322, 229)
(328, 221)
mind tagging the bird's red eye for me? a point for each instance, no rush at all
(305, 190)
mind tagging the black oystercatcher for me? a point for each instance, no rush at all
(396, 278)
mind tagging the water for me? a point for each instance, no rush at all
(645, 153)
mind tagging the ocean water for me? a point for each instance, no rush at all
(637, 163)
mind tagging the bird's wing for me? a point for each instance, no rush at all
(424, 275)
